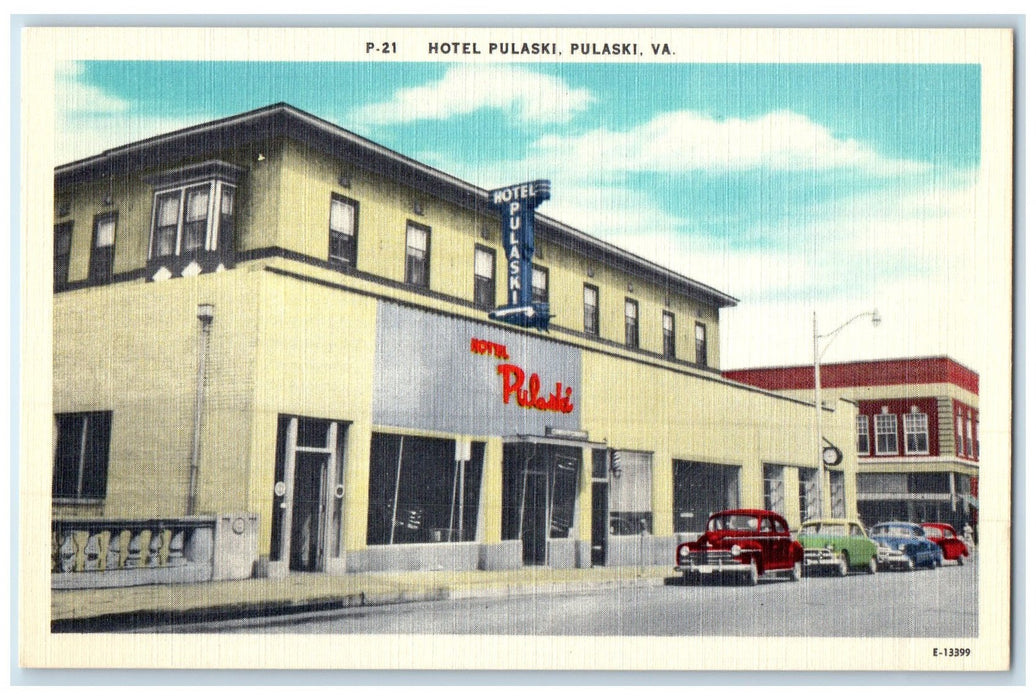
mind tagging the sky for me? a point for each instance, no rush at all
(796, 188)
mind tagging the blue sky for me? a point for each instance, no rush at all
(794, 187)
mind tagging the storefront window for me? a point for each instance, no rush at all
(809, 494)
(773, 488)
(629, 493)
(422, 490)
(837, 494)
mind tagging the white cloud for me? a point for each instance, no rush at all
(89, 120)
(685, 141)
(532, 97)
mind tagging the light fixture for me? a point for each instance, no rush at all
(64, 208)
(590, 271)
(344, 181)
(206, 312)
(629, 287)
(260, 158)
(418, 208)
(108, 199)
(484, 232)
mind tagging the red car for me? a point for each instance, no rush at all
(953, 548)
(744, 542)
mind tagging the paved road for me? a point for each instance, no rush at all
(923, 603)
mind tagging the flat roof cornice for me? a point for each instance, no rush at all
(282, 120)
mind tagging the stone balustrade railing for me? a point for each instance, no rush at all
(105, 552)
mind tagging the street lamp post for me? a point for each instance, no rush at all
(818, 353)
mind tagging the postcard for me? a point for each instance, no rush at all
(516, 348)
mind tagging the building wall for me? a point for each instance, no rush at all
(132, 349)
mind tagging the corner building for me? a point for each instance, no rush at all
(917, 440)
(268, 314)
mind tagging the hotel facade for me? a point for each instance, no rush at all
(273, 326)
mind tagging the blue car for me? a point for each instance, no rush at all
(904, 545)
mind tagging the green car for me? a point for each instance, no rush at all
(837, 546)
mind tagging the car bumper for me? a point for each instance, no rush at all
(893, 558)
(819, 558)
(713, 563)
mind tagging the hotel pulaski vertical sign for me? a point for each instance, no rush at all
(517, 206)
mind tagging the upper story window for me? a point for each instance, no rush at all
(960, 432)
(701, 349)
(418, 242)
(668, 334)
(540, 285)
(62, 253)
(968, 437)
(863, 435)
(915, 429)
(194, 210)
(342, 231)
(591, 310)
(886, 434)
(485, 277)
(632, 323)
(102, 253)
(81, 457)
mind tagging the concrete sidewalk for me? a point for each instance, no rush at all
(112, 609)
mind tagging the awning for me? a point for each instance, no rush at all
(551, 440)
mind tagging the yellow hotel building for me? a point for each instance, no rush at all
(272, 317)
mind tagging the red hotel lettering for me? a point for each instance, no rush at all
(514, 380)
(485, 347)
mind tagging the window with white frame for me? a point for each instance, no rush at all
(540, 285)
(591, 313)
(192, 218)
(915, 428)
(629, 493)
(959, 433)
(668, 334)
(342, 231)
(863, 435)
(886, 434)
(102, 255)
(485, 277)
(701, 351)
(968, 445)
(417, 245)
(632, 324)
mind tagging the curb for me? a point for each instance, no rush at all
(125, 621)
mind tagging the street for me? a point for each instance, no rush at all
(923, 603)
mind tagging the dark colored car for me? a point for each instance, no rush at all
(904, 545)
(743, 542)
(953, 548)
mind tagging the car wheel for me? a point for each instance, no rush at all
(936, 562)
(910, 564)
(753, 575)
(872, 566)
(960, 560)
(843, 565)
(796, 572)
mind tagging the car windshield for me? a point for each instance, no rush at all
(823, 529)
(733, 522)
(930, 531)
(897, 531)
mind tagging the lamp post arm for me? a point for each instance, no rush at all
(831, 336)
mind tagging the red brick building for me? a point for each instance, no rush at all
(917, 432)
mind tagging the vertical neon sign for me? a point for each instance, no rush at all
(517, 206)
